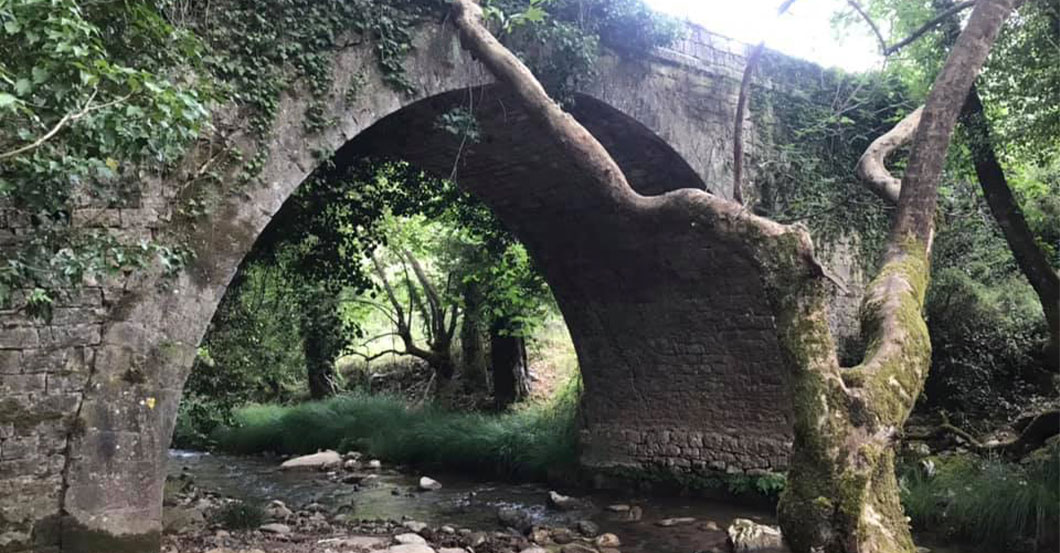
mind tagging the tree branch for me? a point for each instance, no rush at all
(931, 24)
(875, 29)
(871, 168)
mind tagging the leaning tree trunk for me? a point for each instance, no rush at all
(842, 495)
(511, 379)
(1006, 210)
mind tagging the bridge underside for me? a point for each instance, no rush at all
(675, 341)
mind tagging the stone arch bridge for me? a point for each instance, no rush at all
(675, 341)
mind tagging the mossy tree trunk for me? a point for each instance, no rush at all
(842, 495)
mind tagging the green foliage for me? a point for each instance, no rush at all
(984, 500)
(527, 443)
(89, 97)
(818, 129)
(560, 39)
(984, 340)
(251, 353)
(240, 515)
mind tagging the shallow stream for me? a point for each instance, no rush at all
(466, 502)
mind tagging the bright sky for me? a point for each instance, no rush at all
(805, 31)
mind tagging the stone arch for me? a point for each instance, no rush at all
(675, 341)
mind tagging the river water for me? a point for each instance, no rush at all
(467, 502)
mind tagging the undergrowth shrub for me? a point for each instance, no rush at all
(984, 343)
(524, 443)
(986, 500)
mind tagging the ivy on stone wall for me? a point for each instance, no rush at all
(97, 98)
(816, 126)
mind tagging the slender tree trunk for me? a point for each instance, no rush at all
(842, 495)
(511, 379)
(1006, 210)
(472, 342)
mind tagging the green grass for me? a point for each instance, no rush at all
(985, 500)
(525, 443)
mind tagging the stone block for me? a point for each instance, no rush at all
(19, 337)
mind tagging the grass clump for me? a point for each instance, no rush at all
(986, 500)
(526, 443)
(240, 515)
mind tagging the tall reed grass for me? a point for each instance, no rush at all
(526, 443)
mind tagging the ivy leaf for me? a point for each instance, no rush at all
(12, 26)
(7, 100)
(23, 86)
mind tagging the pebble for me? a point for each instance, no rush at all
(618, 508)
(608, 540)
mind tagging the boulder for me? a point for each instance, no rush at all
(534, 549)
(409, 538)
(607, 540)
(318, 461)
(374, 464)
(576, 548)
(429, 484)
(747, 536)
(275, 528)
(452, 550)
(711, 526)
(562, 502)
